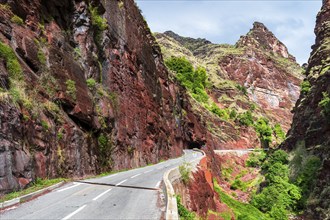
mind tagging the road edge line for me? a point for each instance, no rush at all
(29, 196)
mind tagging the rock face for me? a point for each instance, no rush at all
(84, 90)
(310, 129)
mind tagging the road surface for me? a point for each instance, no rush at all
(134, 194)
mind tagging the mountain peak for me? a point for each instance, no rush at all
(261, 37)
(259, 26)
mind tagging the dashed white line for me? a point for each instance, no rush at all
(148, 171)
(70, 187)
(121, 182)
(136, 175)
(158, 184)
(102, 194)
(73, 213)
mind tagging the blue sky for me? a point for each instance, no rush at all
(225, 21)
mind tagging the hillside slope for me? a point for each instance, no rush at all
(257, 74)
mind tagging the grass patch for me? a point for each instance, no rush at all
(184, 213)
(242, 211)
(16, 19)
(71, 88)
(37, 185)
(12, 64)
(185, 170)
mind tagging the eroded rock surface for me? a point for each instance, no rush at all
(90, 92)
(309, 135)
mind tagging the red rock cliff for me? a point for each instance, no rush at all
(83, 90)
(309, 135)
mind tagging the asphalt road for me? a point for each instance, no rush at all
(134, 194)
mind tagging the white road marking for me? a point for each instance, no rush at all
(148, 171)
(70, 187)
(102, 194)
(136, 175)
(121, 182)
(73, 213)
(158, 184)
(110, 176)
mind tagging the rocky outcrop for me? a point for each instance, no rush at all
(310, 131)
(84, 90)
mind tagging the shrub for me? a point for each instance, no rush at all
(239, 184)
(325, 103)
(233, 114)
(242, 89)
(185, 170)
(245, 118)
(222, 113)
(305, 87)
(277, 172)
(99, 23)
(91, 83)
(17, 20)
(71, 88)
(256, 159)
(264, 131)
(279, 132)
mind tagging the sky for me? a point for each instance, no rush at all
(224, 21)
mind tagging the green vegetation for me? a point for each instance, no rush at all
(91, 83)
(279, 197)
(239, 184)
(264, 131)
(37, 185)
(184, 213)
(192, 79)
(242, 89)
(242, 211)
(105, 149)
(185, 170)
(44, 125)
(99, 23)
(71, 88)
(304, 170)
(325, 104)
(245, 118)
(222, 113)
(279, 132)
(195, 81)
(17, 20)
(12, 64)
(305, 87)
(256, 159)
(42, 57)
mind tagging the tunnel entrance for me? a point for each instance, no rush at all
(195, 144)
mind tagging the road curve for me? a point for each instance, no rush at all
(134, 194)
